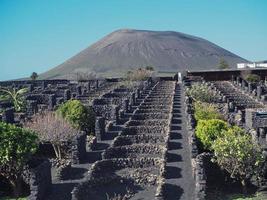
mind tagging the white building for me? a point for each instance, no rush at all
(251, 65)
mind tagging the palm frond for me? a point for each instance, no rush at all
(5, 90)
(22, 91)
(4, 97)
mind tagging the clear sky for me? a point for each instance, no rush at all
(36, 35)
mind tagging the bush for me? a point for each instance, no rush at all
(236, 153)
(206, 111)
(222, 195)
(202, 93)
(150, 68)
(16, 147)
(54, 129)
(80, 116)
(248, 197)
(207, 131)
(253, 78)
(139, 74)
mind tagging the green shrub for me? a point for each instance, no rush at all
(10, 198)
(16, 147)
(201, 92)
(248, 197)
(80, 116)
(236, 153)
(207, 131)
(222, 195)
(206, 111)
(253, 78)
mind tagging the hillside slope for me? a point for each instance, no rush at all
(126, 49)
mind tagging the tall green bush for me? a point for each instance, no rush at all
(207, 131)
(80, 116)
(201, 92)
(206, 111)
(236, 153)
(16, 147)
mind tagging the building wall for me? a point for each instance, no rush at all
(251, 65)
(220, 75)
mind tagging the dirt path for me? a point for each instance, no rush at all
(179, 169)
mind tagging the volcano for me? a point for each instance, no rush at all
(127, 49)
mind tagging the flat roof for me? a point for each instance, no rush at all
(229, 70)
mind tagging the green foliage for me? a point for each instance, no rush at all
(16, 147)
(150, 68)
(17, 97)
(201, 92)
(221, 195)
(34, 76)
(223, 64)
(206, 111)
(207, 131)
(244, 197)
(10, 198)
(80, 116)
(17, 144)
(236, 153)
(253, 78)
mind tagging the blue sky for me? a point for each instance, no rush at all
(36, 35)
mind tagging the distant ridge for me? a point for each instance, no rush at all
(126, 49)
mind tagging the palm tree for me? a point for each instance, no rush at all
(15, 96)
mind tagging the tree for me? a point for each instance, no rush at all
(16, 147)
(17, 97)
(223, 64)
(201, 92)
(52, 128)
(207, 131)
(78, 115)
(253, 78)
(149, 68)
(206, 111)
(236, 153)
(34, 76)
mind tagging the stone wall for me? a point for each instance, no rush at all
(139, 152)
(132, 150)
(78, 148)
(256, 118)
(101, 173)
(135, 139)
(133, 130)
(39, 179)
